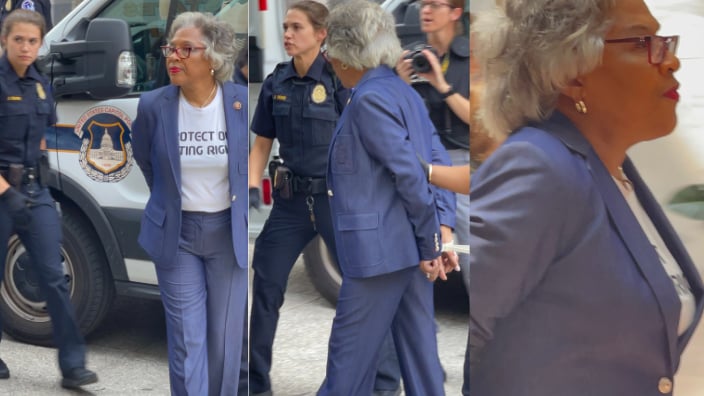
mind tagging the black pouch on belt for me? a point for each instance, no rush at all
(15, 172)
(43, 170)
(283, 182)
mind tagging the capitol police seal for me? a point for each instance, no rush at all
(28, 5)
(106, 144)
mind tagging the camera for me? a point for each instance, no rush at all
(419, 62)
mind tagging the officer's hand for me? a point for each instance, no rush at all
(254, 199)
(425, 165)
(18, 205)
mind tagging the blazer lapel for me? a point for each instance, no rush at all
(169, 129)
(672, 241)
(235, 117)
(640, 248)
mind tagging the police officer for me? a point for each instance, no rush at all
(443, 82)
(41, 6)
(299, 105)
(26, 207)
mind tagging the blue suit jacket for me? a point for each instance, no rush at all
(384, 212)
(155, 145)
(568, 296)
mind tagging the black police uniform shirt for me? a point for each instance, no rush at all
(301, 112)
(454, 133)
(41, 6)
(26, 110)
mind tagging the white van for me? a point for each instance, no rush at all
(98, 185)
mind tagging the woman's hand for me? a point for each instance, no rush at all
(433, 269)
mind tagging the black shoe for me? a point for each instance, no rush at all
(78, 377)
(4, 371)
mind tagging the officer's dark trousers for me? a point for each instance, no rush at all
(367, 308)
(42, 242)
(287, 231)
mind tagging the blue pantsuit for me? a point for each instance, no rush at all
(202, 287)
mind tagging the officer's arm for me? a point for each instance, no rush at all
(4, 185)
(453, 178)
(258, 156)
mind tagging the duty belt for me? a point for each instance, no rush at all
(19, 176)
(309, 185)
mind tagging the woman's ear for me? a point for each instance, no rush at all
(321, 34)
(574, 89)
(456, 14)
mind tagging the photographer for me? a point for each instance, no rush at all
(437, 70)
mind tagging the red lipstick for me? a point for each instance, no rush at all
(672, 94)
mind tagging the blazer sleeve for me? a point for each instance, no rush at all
(142, 140)
(416, 195)
(519, 207)
(446, 200)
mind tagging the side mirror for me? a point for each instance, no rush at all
(101, 66)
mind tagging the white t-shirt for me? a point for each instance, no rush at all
(674, 271)
(202, 136)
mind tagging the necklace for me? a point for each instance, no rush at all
(625, 181)
(207, 100)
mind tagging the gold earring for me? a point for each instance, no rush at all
(581, 107)
(344, 66)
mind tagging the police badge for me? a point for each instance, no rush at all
(40, 91)
(318, 95)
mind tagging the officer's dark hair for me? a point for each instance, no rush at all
(316, 12)
(23, 16)
(242, 58)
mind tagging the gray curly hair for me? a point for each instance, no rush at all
(528, 50)
(362, 35)
(218, 38)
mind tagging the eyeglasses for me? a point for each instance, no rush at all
(435, 5)
(658, 46)
(181, 52)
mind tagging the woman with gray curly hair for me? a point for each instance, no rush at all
(580, 286)
(392, 223)
(190, 141)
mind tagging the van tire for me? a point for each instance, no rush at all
(322, 269)
(25, 317)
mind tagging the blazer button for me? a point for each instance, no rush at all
(665, 385)
(330, 194)
(234, 197)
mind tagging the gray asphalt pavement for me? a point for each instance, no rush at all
(128, 351)
(300, 349)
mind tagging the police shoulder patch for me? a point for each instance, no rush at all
(28, 5)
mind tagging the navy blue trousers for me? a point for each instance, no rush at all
(204, 295)
(42, 242)
(286, 232)
(367, 308)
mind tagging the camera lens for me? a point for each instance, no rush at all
(420, 63)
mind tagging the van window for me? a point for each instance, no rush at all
(148, 23)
